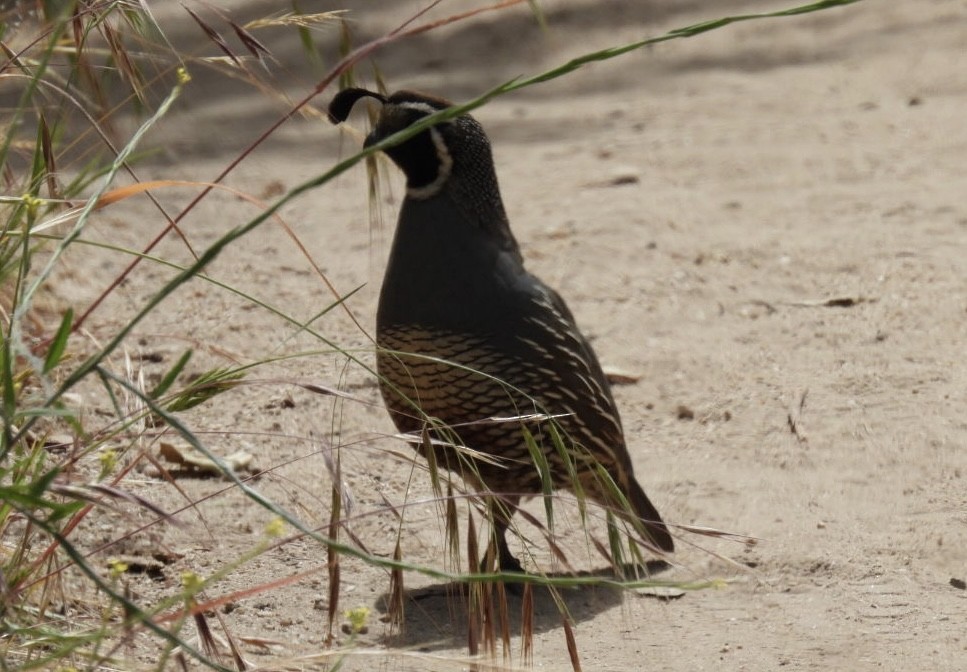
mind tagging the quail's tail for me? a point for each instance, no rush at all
(650, 517)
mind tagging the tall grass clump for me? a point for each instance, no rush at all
(83, 84)
(70, 75)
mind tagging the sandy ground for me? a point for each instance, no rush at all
(699, 204)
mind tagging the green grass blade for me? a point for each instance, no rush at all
(207, 385)
(169, 378)
(544, 470)
(59, 344)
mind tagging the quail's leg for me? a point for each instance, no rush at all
(501, 511)
(507, 562)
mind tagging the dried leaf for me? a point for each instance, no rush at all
(619, 377)
(661, 592)
(189, 458)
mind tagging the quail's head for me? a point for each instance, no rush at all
(428, 158)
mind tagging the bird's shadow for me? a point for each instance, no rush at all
(437, 616)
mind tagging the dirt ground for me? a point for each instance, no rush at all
(767, 224)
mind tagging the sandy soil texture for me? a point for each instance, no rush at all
(765, 225)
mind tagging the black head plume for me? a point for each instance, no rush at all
(343, 103)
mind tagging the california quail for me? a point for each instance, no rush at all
(467, 336)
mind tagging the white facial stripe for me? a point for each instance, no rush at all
(417, 107)
(446, 167)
